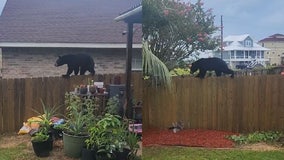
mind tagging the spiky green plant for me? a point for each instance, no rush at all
(154, 68)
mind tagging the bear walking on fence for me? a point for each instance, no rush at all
(75, 63)
(210, 64)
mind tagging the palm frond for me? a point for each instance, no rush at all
(155, 68)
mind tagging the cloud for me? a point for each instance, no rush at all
(273, 19)
(259, 18)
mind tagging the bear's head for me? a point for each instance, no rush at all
(59, 61)
(193, 67)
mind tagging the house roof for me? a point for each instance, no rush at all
(237, 38)
(236, 43)
(273, 38)
(133, 15)
(66, 23)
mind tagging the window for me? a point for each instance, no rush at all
(232, 55)
(240, 54)
(248, 43)
(252, 54)
(136, 64)
(257, 54)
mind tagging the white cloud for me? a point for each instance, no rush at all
(259, 18)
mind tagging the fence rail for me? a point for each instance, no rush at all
(19, 97)
(242, 104)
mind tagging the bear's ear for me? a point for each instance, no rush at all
(59, 56)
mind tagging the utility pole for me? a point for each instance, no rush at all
(222, 36)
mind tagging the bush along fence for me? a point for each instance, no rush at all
(19, 97)
(242, 104)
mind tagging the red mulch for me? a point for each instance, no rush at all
(188, 137)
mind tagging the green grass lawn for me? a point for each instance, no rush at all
(187, 153)
(19, 152)
(14, 153)
(19, 147)
(22, 150)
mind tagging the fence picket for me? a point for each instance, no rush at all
(242, 104)
(19, 97)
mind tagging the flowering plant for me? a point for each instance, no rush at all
(174, 29)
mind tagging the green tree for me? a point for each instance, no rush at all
(174, 29)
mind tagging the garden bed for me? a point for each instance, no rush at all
(188, 137)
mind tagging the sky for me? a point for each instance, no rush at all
(2, 3)
(258, 18)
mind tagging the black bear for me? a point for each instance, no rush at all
(76, 62)
(210, 64)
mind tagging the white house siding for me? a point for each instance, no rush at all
(242, 50)
(39, 62)
(244, 57)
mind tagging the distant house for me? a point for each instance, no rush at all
(241, 51)
(33, 33)
(276, 45)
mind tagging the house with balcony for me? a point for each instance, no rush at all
(276, 45)
(240, 51)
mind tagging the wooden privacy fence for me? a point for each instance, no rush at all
(242, 104)
(18, 97)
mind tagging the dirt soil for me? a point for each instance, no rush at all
(198, 138)
(260, 147)
(188, 137)
(13, 140)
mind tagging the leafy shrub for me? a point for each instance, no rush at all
(270, 136)
(180, 72)
(81, 113)
(112, 106)
(239, 139)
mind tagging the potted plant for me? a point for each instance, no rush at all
(93, 89)
(108, 138)
(112, 106)
(45, 123)
(41, 144)
(83, 89)
(80, 116)
(90, 150)
(131, 146)
(132, 143)
(57, 129)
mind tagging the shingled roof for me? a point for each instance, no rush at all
(273, 38)
(65, 23)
